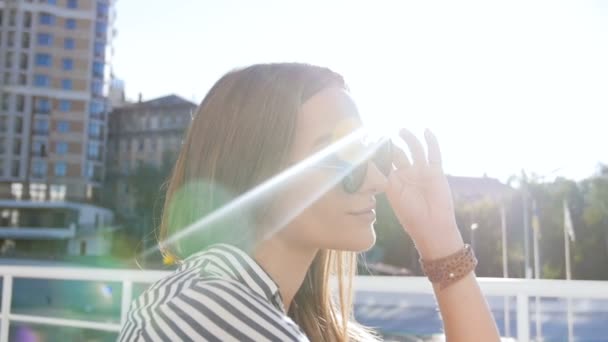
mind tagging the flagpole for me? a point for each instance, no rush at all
(567, 227)
(505, 271)
(536, 227)
(526, 230)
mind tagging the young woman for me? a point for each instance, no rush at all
(269, 202)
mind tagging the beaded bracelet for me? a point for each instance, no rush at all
(448, 270)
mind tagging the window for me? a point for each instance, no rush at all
(51, 2)
(70, 24)
(11, 38)
(90, 171)
(68, 64)
(17, 147)
(69, 44)
(99, 48)
(58, 192)
(39, 169)
(43, 105)
(101, 28)
(93, 150)
(18, 124)
(25, 40)
(3, 125)
(44, 39)
(16, 169)
(8, 60)
(61, 169)
(152, 144)
(154, 122)
(16, 188)
(46, 19)
(61, 148)
(39, 148)
(65, 105)
(72, 4)
(41, 81)
(20, 103)
(27, 19)
(102, 9)
(94, 129)
(97, 87)
(63, 126)
(41, 126)
(38, 190)
(96, 107)
(43, 59)
(6, 97)
(23, 61)
(12, 17)
(98, 69)
(66, 84)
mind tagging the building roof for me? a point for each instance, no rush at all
(169, 100)
(475, 188)
(164, 101)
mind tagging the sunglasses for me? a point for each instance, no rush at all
(354, 179)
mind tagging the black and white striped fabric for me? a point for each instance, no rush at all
(219, 294)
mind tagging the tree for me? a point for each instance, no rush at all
(588, 204)
(146, 190)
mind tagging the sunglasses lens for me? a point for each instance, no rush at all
(383, 158)
(353, 181)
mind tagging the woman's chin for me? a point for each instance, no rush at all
(360, 241)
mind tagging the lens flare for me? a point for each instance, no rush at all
(201, 211)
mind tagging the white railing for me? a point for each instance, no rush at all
(522, 289)
(126, 277)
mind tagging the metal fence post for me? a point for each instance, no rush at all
(127, 293)
(7, 294)
(523, 318)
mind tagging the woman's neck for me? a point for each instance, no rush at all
(286, 264)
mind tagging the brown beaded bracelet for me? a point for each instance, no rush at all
(448, 270)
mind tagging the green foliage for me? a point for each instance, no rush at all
(146, 186)
(588, 204)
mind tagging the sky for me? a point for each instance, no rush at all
(505, 86)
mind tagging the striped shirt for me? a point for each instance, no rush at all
(219, 294)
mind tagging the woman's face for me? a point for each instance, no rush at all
(337, 219)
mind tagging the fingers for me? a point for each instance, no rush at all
(400, 159)
(414, 146)
(434, 154)
(419, 158)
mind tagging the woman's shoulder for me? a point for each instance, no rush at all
(208, 307)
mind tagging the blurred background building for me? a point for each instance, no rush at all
(54, 74)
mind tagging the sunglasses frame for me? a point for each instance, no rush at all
(354, 179)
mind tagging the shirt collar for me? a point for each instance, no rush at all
(234, 264)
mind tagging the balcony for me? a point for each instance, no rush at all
(37, 233)
(399, 307)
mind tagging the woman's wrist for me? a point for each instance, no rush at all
(445, 242)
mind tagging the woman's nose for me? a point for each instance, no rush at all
(375, 180)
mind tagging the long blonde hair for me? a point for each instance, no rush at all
(239, 138)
